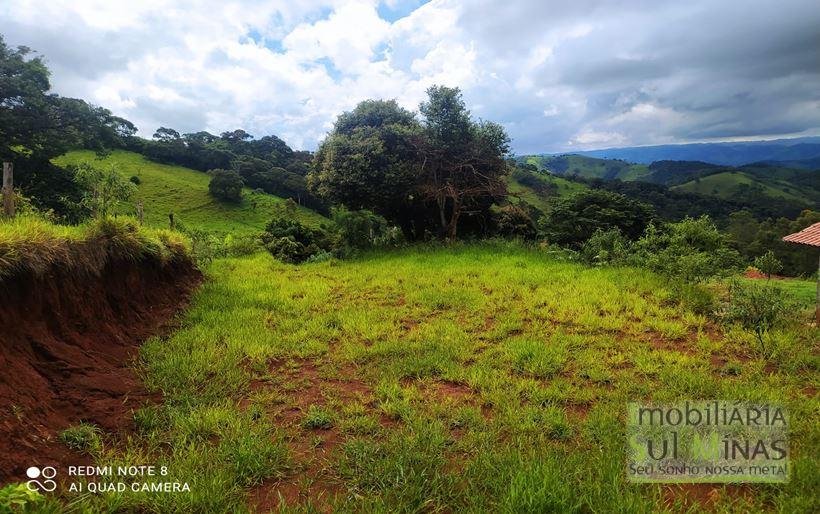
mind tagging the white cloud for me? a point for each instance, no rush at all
(559, 75)
(591, 137)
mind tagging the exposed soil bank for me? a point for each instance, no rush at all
(67, 343)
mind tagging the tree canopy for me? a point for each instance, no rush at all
(418, 175)
(226, 185)
(462, 160)
(370, 161)
(575, 218)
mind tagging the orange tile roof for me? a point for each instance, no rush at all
(808, 236)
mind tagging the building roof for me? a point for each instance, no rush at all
(808, 236)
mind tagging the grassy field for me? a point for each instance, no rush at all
(724, 185)
(427, 379)
(588, 167)
(540, 201)
(805, 291)
(183, 191)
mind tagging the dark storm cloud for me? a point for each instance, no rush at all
(559, 75)
(713, 69)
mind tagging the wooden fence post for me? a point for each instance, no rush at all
(8, 189)
(140, 212)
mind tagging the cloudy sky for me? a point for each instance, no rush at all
(560, 75)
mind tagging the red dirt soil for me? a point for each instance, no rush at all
(753, 273)
(67, 344)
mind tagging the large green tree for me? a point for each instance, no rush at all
(370, 161)
(226, 185)
(463, 166)
(575, 218)
(419, 176)
(36, 125)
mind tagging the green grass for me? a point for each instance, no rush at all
(82, 438)
(485, 378)
(183, 191)
(588, 167)
(29, 245)
(724, 185)
(541, 201)
(805, 291)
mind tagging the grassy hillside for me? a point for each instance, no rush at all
(588, 167)
(728, 184)
(537, 196)
(374, 385)
(753, 184)
(183, 191)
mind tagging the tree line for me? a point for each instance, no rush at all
(435, 173)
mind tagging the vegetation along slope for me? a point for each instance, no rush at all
(408, 319)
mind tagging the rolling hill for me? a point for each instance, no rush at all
(587, 167)
(727, 154)
(183, 191)
(799, 164)
(540, 189)
(782, 191)
(797, 186)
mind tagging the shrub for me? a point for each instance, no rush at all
(605, 247)
(105, 188)
(515, 221)
(575, 218)
(322, 256)
(692, 250)
(291, 241)
(358, 230)
(226, 185)
(19, 498)
(768, 264)
(758, 307)
(206, 246)
(135, 180)
(83, 437)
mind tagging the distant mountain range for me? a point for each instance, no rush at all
(803, 153)
(784, 189)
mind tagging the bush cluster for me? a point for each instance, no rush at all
(291, 241)
(206, 246)
(758, 307)
(226, 185)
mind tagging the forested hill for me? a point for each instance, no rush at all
(726, 154)
(768, 189)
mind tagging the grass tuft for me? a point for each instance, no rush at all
(31, 246)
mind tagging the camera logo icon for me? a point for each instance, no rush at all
(46, 474)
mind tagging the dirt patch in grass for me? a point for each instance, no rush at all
(312, 449)
(68, 342)
(660, 342)
(577, 411)
(307, 384)
(408, 324)
(311, 477)
(757, 274)
(704, 496)
(451, 390)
